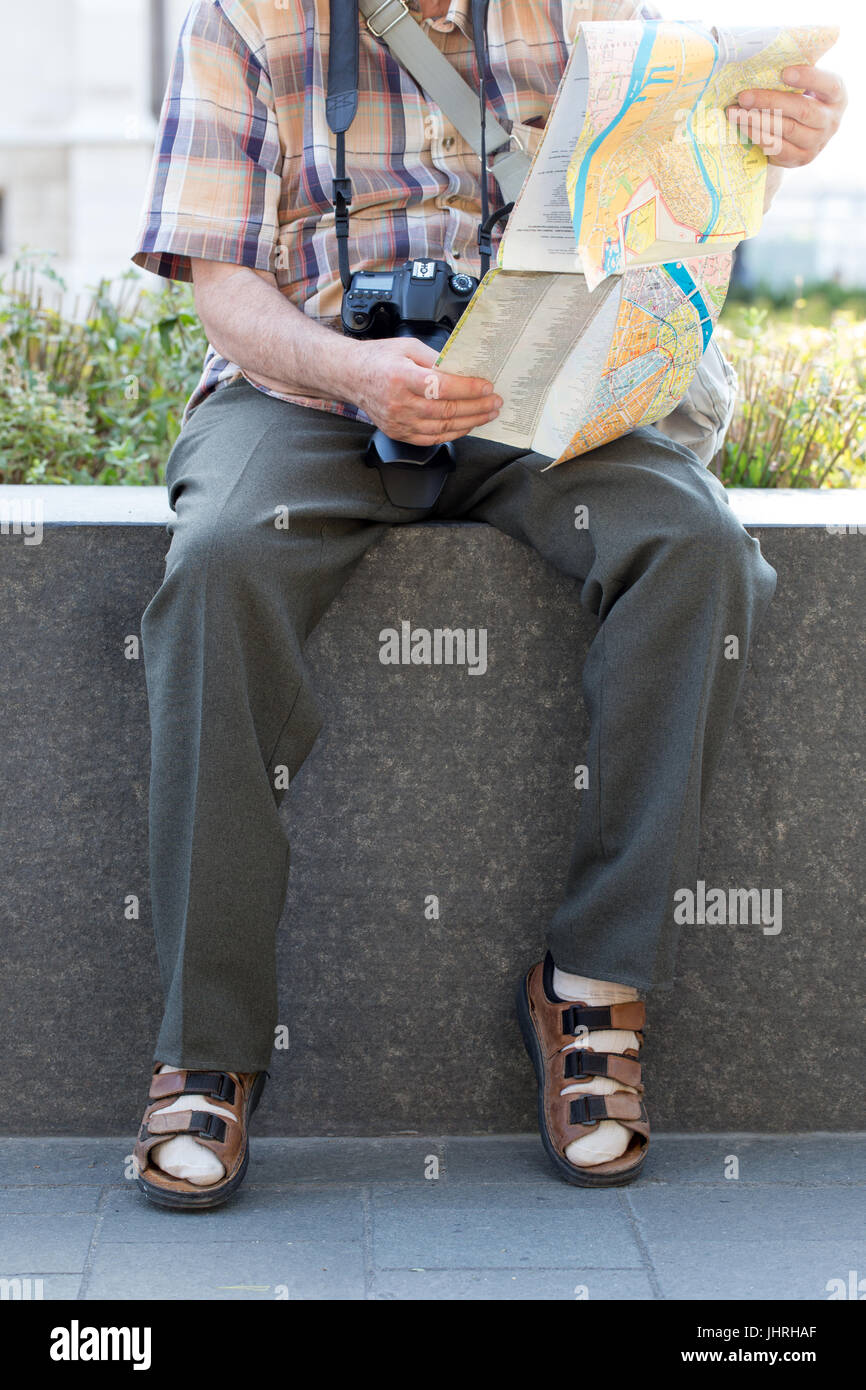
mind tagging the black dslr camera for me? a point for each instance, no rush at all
(423, 299)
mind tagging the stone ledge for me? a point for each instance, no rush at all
(83, 505)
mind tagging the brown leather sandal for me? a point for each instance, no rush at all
(549, 1024)
(238, 1092)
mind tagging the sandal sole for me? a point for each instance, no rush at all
(220, 1192)
(577, 1177)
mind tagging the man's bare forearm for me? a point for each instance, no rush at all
(394, 381)
(251, 323)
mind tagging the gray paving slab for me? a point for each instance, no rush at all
(41, 1201)
(227, 1270)
(532, 1224)
(513, 1158)
(820, 1158)
(565, 1285)
(55, 1243)
(736, 1213)
(32, 1161)
(399, 1159)
(720, 1270)
(44, 1287)
(455, 1218)
(392, 1160)
(774, 1159)
(295, 1213)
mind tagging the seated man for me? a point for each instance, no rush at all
(240, 204)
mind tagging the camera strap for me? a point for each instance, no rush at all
(417, 53)
(341, 105)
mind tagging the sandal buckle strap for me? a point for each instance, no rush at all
(208, 1126)
(202, 1123)
(217, 1085)
(588, 1110)
(578, 1017)
(580, 1064)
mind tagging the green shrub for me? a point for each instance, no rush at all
(801, 413)
(815, 302)
(95, 396)
(98, 396)
(44, 434)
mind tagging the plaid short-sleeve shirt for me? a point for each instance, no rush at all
(244, 156)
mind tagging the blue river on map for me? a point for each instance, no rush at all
(641, 80)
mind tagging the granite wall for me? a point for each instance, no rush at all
(428, 781)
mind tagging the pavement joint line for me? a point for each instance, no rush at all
(58, 1186)
(410, 1184)
(642, 1245)
(367, 1243)
(801, 1136)
(494, 1269)
(311, 1242)
(458, 1184)
(809, 1183)
(316, 1184)
(91, 1249)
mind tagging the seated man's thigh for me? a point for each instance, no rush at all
(254, 481)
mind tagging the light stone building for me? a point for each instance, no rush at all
(81, 83)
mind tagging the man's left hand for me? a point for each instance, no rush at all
(792, 128)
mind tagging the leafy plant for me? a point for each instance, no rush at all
(800, 419)
(813, 302)
(95, 394)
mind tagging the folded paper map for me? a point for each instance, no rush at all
(616, 258)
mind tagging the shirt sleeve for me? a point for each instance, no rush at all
(214, 185)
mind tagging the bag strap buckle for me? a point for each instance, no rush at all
(513, 142)
(379, 33)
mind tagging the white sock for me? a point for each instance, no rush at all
(611, 1139)
(183, 1156)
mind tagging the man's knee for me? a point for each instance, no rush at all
(240, 541)
(202, 539)
(721, 551)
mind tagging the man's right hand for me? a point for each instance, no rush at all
(394, 382)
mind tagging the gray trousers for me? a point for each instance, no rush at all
(663, 564)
